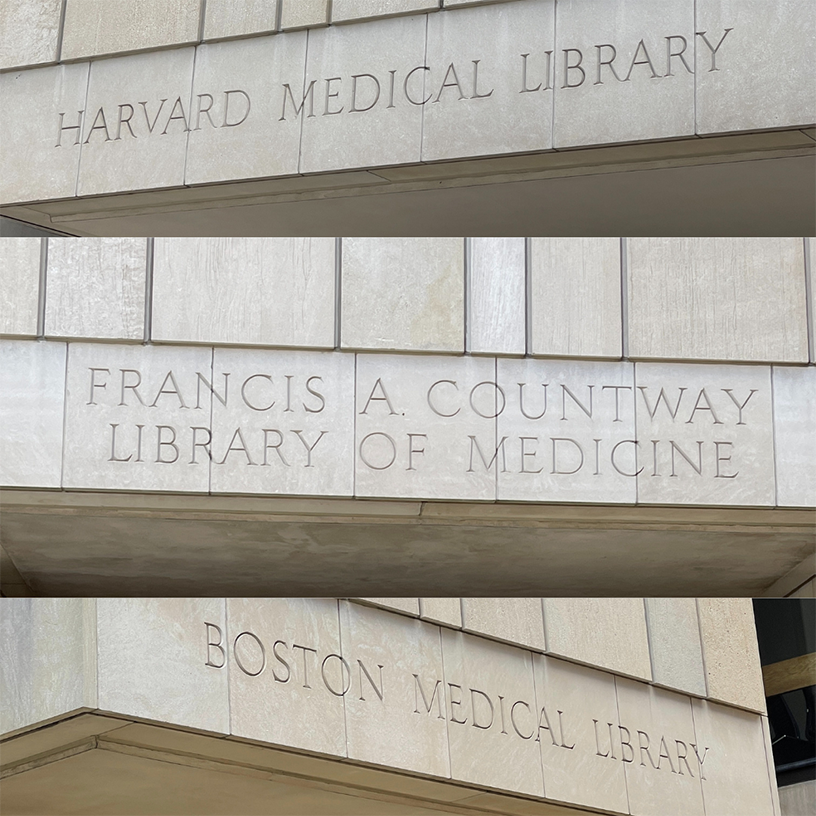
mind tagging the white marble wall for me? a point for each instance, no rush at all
(341, 678)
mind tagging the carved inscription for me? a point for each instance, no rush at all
(460, 704)
(650, 58)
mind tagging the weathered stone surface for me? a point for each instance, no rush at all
(29, 32)
(408, 605)
(447, 611)
(228, 18)
(303, 13)
(350, 10)
(516, 620)
(19, 286)
(794, 418)
(96, 288)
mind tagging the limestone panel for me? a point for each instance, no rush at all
(153, 655)
(754, 64)
(730, 652)
(492, 714)
(349, 10)
(136, 122)
(623, 71)
(236, 129)
(32, 398)
(674, 643)
(662, 773)
(567, 431)
(705, 434)
(96, 288)
(579, 734)
(286, 422)
(304, 13)
(794, 417)
(19, 286)
(496, 296)
(425, 427)
(447, 611)
(43, 111)
(93, 28)
(227, 18)
(397, 688)
(351, 118)
(138, 417)
(287, 673)
(769, 759)
(517, 620)
(403, 294)
(609, 633)
(476, 105)
(576, 297)
(810, 260)
(47, 659)
(29, 32)
(409, 606)
(732, 787)
(254, 291)
(717, 299)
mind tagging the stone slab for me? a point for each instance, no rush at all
(447, 611)
(304, 13)
(112, 390)
(410, 606)
(287, 426)
(794, 410)
(32, 400)
(29, 32)
(227, 18)
(19, 286)
(424, 427)
(705, 434)
(674, 644)
(248, 291)
(344, 11)
(477, 104)
(515, 620)
(95, 288)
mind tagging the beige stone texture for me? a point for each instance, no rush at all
(794, 418)
(47, 660)
(730, 652)
(810, 260)
(235, 115)
(658, 778)
(406, 649)
(155, 387)
(705, 434)
(576, 297)
(735, 772)
(717, 299)
(152, 661)
(769, 760)
(474, 105)
(150, 94)
(248, 291)
(93, 27)
(351, 10)
(410, 606)
(643, 94)
(674, 644)
(447, 611)
(29, 32)
(581, 758)
(761, 75)
(496, 296)
(569, 431)
(96, 288)
(288, 423)
(32, 399)
(46, 158)
(515, 620)
(609, 633)
(304, 13)
(289, 689)
(425, 427)
(228, 18)
(492, 714)
(798, 799)
(403, 294)
(344, 130)
(19, 286)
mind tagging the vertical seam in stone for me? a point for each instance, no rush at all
(697, 742)
(496, 425)
(544, 625)
(212, 409)
(702, 645)
(329, 10)
(773, 437)
(95, 608)
(61, 29)
(636, 430)
(82, 127)
(528, 297)
(303, 109)
(764, 723)
(41, 290)
(64, 417)
(424, 80)
(226, 659)
(278, 15)
(694, 62)
(535, 700)
(354, 432)
(190, 110)
(338, 291)
(444, 698)
(649, 638)
(148, 304)
(617, 709)
(551, 65)
(624, 278)
(202, 15)
(467, 294)
(337, 602)
(810, 317)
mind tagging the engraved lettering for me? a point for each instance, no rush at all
(378, 448)
(428, 705)
(215, 644)
(713, 49)
(242, 118)
(240, 662)
(354, 78)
